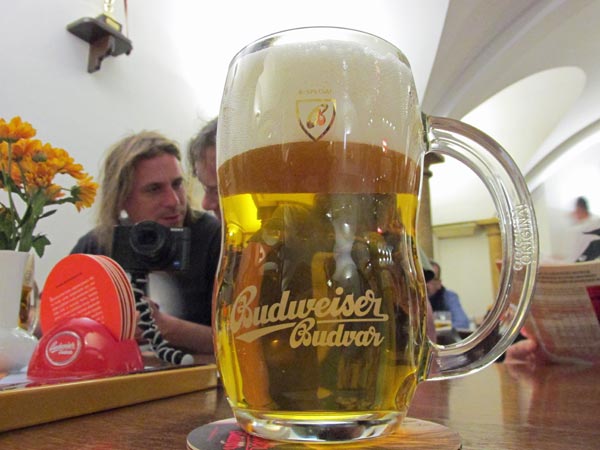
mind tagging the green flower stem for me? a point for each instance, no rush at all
(19, 230)
(35, 208)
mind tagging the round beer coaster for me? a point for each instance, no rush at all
(79, 285)
(413, 434)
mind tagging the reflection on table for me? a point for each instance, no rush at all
(501, 407)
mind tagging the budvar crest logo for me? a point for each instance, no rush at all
(63, 348)
(315, 116)
(314, 322)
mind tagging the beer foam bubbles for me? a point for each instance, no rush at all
(289, 90)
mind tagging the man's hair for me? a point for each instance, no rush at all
(582, 203)
(205, 139)
(117, 177)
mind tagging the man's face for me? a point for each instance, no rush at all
(435, 284)
(580, 213)
(206, 171)
(157, 193)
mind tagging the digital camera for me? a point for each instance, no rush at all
(148, 246)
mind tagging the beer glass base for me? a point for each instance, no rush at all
(292, 427)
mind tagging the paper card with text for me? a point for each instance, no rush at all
(89, 286)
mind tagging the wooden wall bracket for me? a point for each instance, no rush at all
(104, 36)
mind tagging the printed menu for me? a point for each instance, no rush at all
(565, 312)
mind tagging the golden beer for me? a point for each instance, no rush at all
(319, 307)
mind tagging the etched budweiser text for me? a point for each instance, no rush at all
(313, 320)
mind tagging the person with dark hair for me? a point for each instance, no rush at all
(202, 156)
(142, 180)
(443, 299)
(586, 232)
(582, 210)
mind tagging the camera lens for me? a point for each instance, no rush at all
(147, 238)
(152, 244)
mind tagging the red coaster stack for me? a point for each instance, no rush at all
(92, 286)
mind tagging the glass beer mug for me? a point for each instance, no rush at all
(320, 305)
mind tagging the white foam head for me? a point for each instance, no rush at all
(310, 84)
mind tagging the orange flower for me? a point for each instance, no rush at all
(22, 152)
(25, 148)
(15, 129)
(3, 155)
(54, 192)
(84, 192)
(31, 179)
(38, 175)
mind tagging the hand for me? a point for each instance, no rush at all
(526, 351)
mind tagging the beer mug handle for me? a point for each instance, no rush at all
(494, 166)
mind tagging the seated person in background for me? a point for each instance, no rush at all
(142, 180)
(586, 232)
(581, 211)
(202, 156)
(443, 299)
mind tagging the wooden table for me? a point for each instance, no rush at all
(502, 407)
